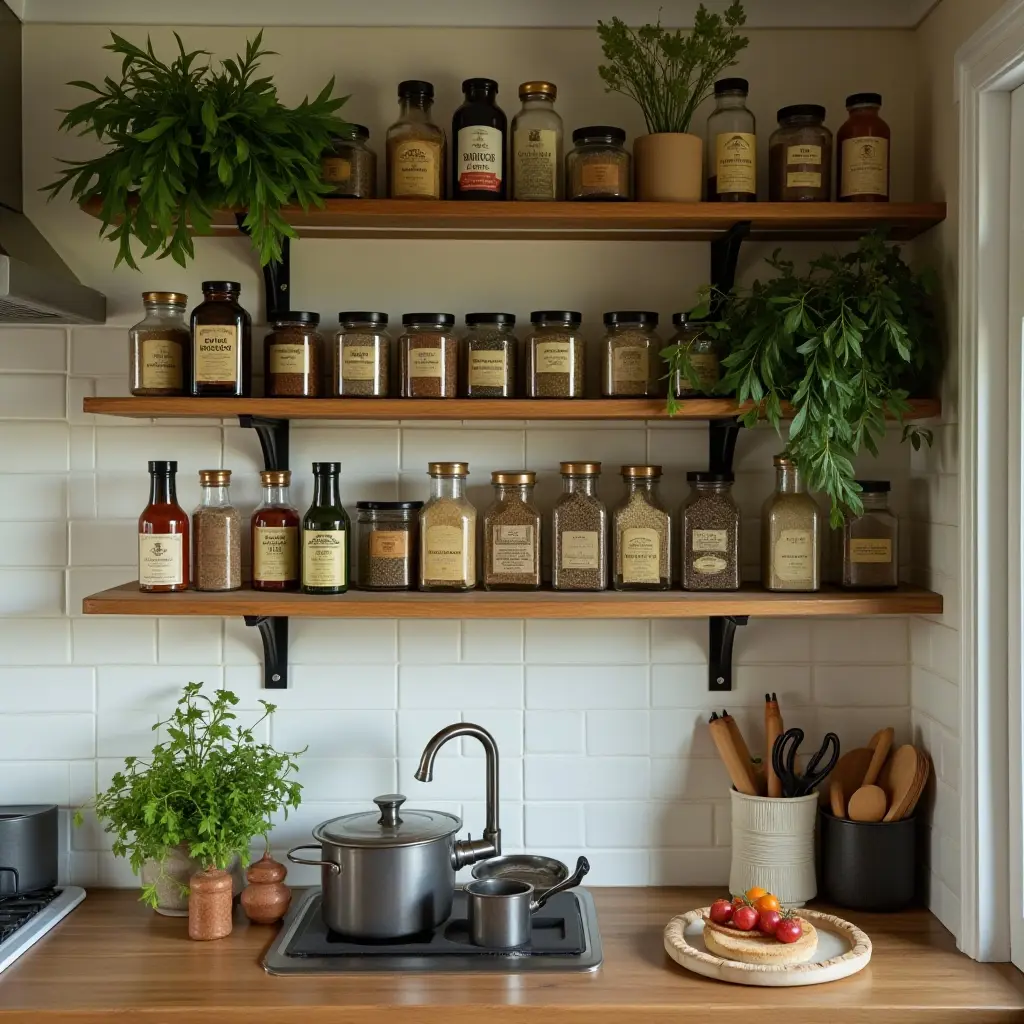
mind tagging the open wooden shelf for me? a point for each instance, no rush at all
(399, 218)
(435, 409)
(540, 604)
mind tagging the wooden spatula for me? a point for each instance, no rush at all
(901, 780)
(849, 773)
(880, 744)
(867, 804)
(836, 798)
(924, 767)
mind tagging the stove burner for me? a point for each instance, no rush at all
(18, 908)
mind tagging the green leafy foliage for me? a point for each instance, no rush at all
(210, 785)
(670, 74)
(843, 343)
(184, 139)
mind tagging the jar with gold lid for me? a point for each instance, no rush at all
(448, 530)
(160, 346)
(790, 532)
(512, 533)
(641, 533)
(537, 145)
(579, 529)
(216, 535)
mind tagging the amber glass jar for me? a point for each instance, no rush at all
(221, 343)
(159, 346)
(291, 357)
(862, 152)
(800, 156)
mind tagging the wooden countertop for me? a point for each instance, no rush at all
(113, 959)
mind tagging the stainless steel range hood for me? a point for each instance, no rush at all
(36, 286)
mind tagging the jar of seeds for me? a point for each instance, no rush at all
(641, 534)
(216, 535)
(512, 533)
(291, 357)
(790, 533)
(448, 531)
(349, 166)
(361, 356)
(871, 540)
(598, 166)
(711, 534)
(579, 527)
(697, 368)
(555, 355)
(389, 535)
(630, 354)
(489, 355)
(428, 356)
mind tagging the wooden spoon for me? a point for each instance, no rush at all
(880, 743)
(849, 773)
(900, 780)
(836, 798)
(906, 808)
(867, 804)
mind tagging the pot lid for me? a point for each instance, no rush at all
(388, 826)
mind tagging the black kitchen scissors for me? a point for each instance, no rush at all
(784, 751)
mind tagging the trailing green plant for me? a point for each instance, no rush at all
(184, 139)
(842, 343)
(211, 785)
(669, 74)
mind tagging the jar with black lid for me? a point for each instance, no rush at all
(555, 355)
(291, 356)
(871, 540)
(598, 167)
(630, 351)
(479, 127)
(361, 356)
(800, 156)
(732, 145)
(389, 539)
(428, 356)
(696, 375)
(489, 355)
(350, 166)
(415, 146)
(221, 343)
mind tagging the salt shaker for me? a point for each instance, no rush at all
(209, 904)
(265, 899)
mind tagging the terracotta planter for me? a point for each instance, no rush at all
(669, 167)
(178, 868)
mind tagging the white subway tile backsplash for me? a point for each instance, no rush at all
(345, 778)
(862, 685)
(364, 687)
(938, 696)
(555, 732)
(587, 778)
(867, 641)
(618, 732)
(47, 737)
(342, 643)
(688, 779)
(643, 825)
(31, 592)
(550, 825)
(35, 641)
(34, 447)
(35, 782)
(157, 688)
(100, 350)
(36, 349)
(587, 641)
(458, 778)
(431, 686)
(558, 687)
(359, 734)
(189, 641)
(28, 396)
(40, 497)
(429, 642)
(487, 642)
(34, 544)
(114, 640)
(106, 542)
(44, 689)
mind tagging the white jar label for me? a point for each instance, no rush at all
(358, 362)
(535, 163)
(216, 354)
(865, 167)
(641, 555)
(794, 556)
(553, 357)
(803, 179)
(709, 565)
(425, 362)
(513, 551)
(275, 554)
(736, 162)
(875, 550)
(709, 540)
(630, 365)
(479, 159)
(323, 558)
(289, 359)
(445, 557)
(487, 369)
(803, 154)
(160, 559)
(580, 549)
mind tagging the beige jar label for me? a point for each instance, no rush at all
(865, 167)
(553, 357)
(871, 550)
(707, 370)
(709, 540)
(161, 364)
(793, 559)
(580, 549)
(444, 554)
(335, 169)
(641, 555)
(358, 362)
(487, 369)
(415, 169)
(803, 154)
(389, 544)
(160, 559)
(425, 362)
(289, 359)
(478, 159)
(599, 175)
(736, 162)
(275, 554)
(803, 179)
(535, 163)
(215, 349)
(513, 551)
(323, 558)
(630, 364)
(709, 565)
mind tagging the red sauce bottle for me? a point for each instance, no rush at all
(163, 535)
(862, 152)
(275, 535)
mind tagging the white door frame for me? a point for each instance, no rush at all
(988, 68)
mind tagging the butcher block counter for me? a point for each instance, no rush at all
(114, 960)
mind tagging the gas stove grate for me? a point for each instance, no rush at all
(25, 917)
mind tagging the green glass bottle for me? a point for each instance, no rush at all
(325, 535)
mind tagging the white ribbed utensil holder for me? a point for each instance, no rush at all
(773, 846)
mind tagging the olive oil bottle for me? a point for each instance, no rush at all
(325, 535)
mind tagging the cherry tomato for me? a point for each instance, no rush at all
(744, 918)
(767, 902)
(756, 893)
(788, 930)
(721, 912)
(768, 922)
(739, 901)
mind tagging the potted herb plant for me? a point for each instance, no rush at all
(199, 800)
(670, 74)
(184, 139)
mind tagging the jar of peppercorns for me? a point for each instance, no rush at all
(291, 356)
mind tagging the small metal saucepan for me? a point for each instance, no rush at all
(540, 872)
(499, 909)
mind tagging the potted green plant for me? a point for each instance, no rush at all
(184, 139)
(669, 75)
(199, 800)
(845, 343)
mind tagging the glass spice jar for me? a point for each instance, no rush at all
(579, 528)
(698, 374)
(871, 540)
(274, 531)
(428, 356)
(389, 544)
(216, 534)
(641, 534)
(732, 145)
(555, 355)
(512, 533)
(711, 534)
(790, 533)
(361, 356)
(448, 531)
(221, 343)
(537, 145)
(489, 355)
(598, 167)
(159, 346)
(350, 166)
(415, 146)
(862, 152)
(630, 354)
(291, 356)
(800, 156)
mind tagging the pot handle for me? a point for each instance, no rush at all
(335, 868)
(582, 867)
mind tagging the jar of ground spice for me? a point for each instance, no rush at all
(216, 534)
(555, 355)
(428, 356)
(579, 528)
(389, 538)
(350, 166)
(448, 531)
(160, 346)
(489, 355)
(291, 356)
(598, 167)
(512, 533)
(711, 534)
(800, 156)
(871, 540)
(630, 354)
(790, 533)
(361, 356)
(698, 369)
(641, 534)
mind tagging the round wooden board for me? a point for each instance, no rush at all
(845, 947)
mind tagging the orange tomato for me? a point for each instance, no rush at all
(756, 893)
(766, 902)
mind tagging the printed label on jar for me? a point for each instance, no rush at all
(216, 354)
(512, 551)
(389, 544)
(803, 179)
(706, 368)
(630, 364)
(709, 565)
(600, 176)
(580, 549)
(323, 558)
(794, 553)
(289, 359)
(425, 362)
(641, 555)
(275, 554)
(160, 561)
(358, 362)
(335, 169)
(444, 554)
(709, 540)
(488, 369)
(535, 163)
(479, 159)
(871, 550)
(415, 169)
(736, 162)
(553, 357)
(803, 154)
(865, 167)
(161, 364)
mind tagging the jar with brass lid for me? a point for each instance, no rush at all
(512, 533)
(448, 530)
(160, 346)
(537, 145)
(790, 533)
(579, 529)
(641, 533)
(216, 535)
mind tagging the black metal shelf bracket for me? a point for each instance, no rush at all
(277, 277)
(725, 253)
(721, 633)
(273, 435)
(274, 631)
(722, 434)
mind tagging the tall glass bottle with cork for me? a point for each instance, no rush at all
(790, 533)
(641, 534)
(579, 527)
(448, 531)
(164, 553)
(325, 535)
(732, 145)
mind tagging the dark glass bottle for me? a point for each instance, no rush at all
(479, 128)
(275, 535)
(163, 535)
(325, 535)
(221, 343)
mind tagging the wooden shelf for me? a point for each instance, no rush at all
(397, 218)
(542, 604)
(433, 409)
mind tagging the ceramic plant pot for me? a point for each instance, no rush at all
(669, 167)
(178, 868)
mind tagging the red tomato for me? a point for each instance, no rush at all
(721, 912)
(739, 901)
(788, 930)
(744, 918)
(768, 922)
